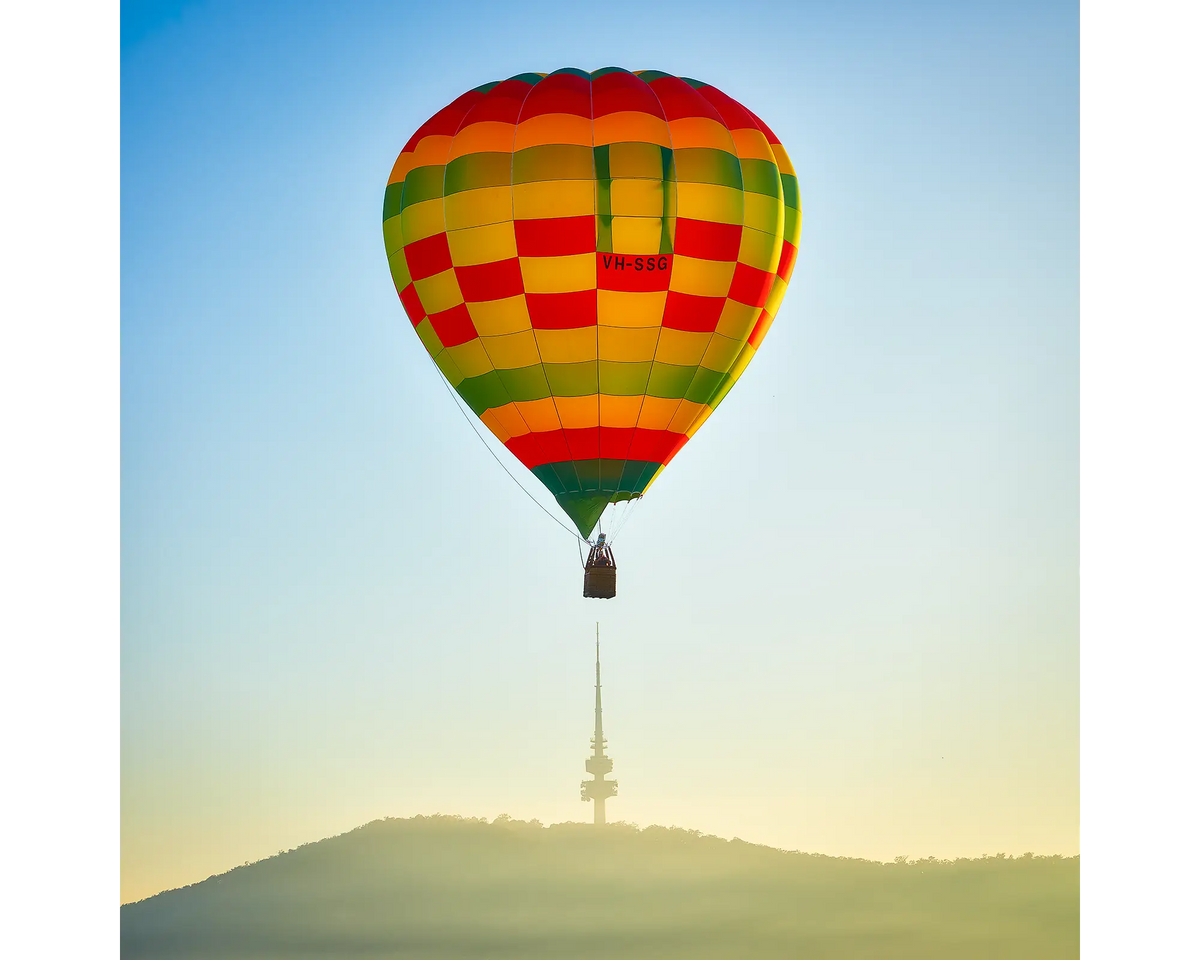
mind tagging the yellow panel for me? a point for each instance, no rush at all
(775, 297)
(749, 143)
(760, 250)
(721, 353)
(619, 411)
(495, 318)
(541, 415)
(737, 320)
(421, 220)
(704, 413)
(637, 198)
(496, 241)
(393, 235)
(553, 128)
(656, 413)
(487, 136)
(700, 132)
(439, 292)
(764, 213)
(682, 347)
(553, 198)
(636, 235)
(567, 346)
(559, 274)
(782, 160)
(471, 358)
(630, 125)
(399, 267)
(627, 344)
(509, 418)
(640, 161)
(703, 278)
(687, 412)
(621, 308)
(474, 208)
(512, 351)
(577, 413)
(710, 201)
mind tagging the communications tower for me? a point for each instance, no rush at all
(598, 789)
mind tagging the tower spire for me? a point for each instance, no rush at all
(598, 789)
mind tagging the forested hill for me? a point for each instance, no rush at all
(443, 887)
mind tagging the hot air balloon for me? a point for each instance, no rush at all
(592, 260)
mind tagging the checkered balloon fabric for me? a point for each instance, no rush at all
(592, 260)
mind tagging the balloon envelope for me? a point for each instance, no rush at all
(592, 259)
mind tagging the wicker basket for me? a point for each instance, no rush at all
(600, 582)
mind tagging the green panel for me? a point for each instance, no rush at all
(484, 88)
(583, 488)
(571, 379)
(590, 475)
(600, 161)
(611, 472)
(669, 381)
(708, 165)
(483, 392)
(603, 70)
(584, 510)
(568, 478)
(552, 161)
(423, 183)
(478, 170)
(791, 224)
(574, 71)
(651, 75)
(761, 176)
(391, 200)
(619, 379)
(664, 241)
(550, 478)
(693, 83)
(641, 161)
(525, 383)
(791, 190)
(530, 78)
(635, 475)
(722, 390)
(604, 240)
(704, 385)
(600, 158)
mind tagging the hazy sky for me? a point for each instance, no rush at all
(847, 619)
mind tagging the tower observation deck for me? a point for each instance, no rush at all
(598, 765)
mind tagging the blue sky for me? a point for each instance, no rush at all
(849, 607)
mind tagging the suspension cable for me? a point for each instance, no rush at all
(458, 403)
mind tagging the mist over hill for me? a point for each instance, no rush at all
(445, 887)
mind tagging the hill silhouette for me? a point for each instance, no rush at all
(446, 887)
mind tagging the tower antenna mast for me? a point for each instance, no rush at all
(598, 764)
